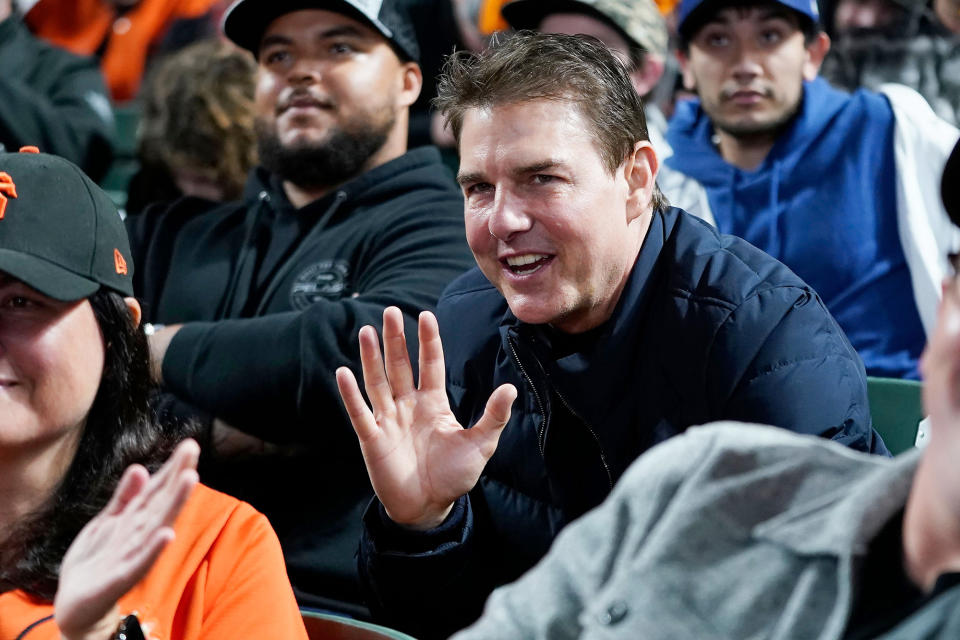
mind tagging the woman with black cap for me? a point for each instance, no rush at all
(92, 545)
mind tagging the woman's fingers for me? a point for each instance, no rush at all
(134, 478)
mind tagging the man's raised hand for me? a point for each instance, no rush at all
(419, 458)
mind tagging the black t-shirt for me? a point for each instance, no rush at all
(885, 595)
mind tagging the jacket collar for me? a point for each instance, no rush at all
(845, 520)
(593, 363)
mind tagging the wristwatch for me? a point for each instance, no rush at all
(129, 629)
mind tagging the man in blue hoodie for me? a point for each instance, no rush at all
(841, 188)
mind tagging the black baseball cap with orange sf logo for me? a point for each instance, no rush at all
(59, 232)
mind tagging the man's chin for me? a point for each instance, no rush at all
(301, 139)
(755, 124)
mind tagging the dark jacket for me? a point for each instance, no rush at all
(708, 328)
(273, 298)
(54, 100)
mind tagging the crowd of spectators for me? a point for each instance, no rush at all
(442, 288)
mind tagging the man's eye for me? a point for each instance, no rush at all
(717, 40)
(275, 57)
(477, 188)
(341, 48)
(542, 178)
(771, 36)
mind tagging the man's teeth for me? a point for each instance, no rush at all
(530, 258)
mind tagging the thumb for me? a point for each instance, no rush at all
(486, 432)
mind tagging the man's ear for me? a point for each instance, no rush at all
(647, 75)
(689, 82)
(412, 82)
(640, 170)
(816, 51)
(134, 308)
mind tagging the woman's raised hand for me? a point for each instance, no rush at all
(119, 545)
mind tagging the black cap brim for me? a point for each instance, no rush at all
(528, 14)
(49, 279)
(950, 185)
(246, 20)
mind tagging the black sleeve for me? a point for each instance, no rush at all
(273, 376)
(54, 100)
(793, 368)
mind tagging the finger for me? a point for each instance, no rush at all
(364, 424)
(374, 379)
(183, 458)
(168, 500)
(395, 355)
(432, 374)
(138, 564)
(131, 484)
(176, 497)
(486, 432)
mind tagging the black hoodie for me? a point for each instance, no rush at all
(273, 298)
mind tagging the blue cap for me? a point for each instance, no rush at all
(807, 8)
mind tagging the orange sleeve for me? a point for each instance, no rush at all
(248, 594)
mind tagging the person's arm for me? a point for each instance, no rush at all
(54, 100)
(781, 359)
(271, 376)
(593, 552)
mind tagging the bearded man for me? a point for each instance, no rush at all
(263, 298)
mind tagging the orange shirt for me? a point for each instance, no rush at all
(222, 577)
(81, 26)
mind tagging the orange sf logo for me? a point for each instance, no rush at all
(7, 188)
(119, 263)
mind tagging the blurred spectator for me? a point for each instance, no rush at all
(122, 33)
(633, 29)
(52, 99)
(440, 27)
(878, 41)
(196, 137)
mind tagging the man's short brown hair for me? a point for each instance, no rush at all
(526, 66)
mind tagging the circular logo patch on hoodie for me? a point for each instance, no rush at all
(322, 280)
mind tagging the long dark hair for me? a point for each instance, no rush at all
(120, 430)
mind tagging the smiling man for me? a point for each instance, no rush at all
(615, 321)
(841, 188)
(264, 297)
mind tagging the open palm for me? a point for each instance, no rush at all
(116, 549)
(420, 459)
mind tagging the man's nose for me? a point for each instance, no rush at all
(305, 70)
(747, 62)
(508, 216)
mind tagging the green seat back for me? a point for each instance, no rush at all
(125, 163)
(896, 409)
(326, 626)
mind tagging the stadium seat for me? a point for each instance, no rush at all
(896, 409)
(326, 626)
(125, 162)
